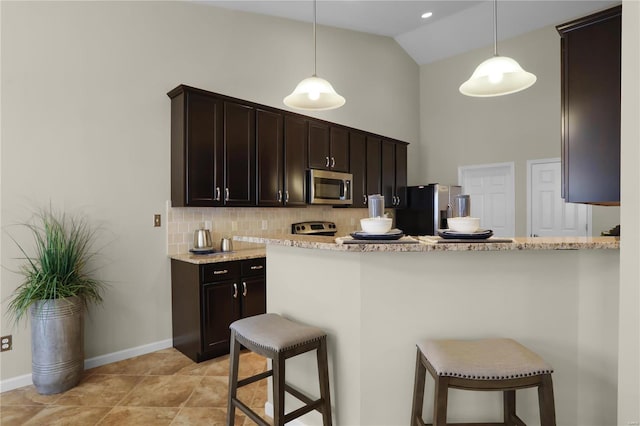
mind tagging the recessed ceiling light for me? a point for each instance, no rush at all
(427, 15)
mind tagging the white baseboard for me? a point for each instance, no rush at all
(15, 382)
(127, 353)
(268, 410)
(25, 380)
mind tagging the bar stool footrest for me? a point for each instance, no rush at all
(471, 424)
(249, 412)
(253, 379)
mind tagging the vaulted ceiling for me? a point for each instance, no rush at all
(454, 28)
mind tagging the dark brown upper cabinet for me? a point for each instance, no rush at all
(212, 150)
(295, 160)
(270, 158)
(328, 147)
(394, 174)
(358, 168)
(197, 149)
(591, 65)
(374, 152)
(401, 176)
(239, 154)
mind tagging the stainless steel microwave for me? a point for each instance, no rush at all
(325, 187)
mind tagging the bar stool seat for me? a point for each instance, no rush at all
(278, 339)
(483, 365)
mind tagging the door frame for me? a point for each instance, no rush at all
(510, 165)
(531, 163)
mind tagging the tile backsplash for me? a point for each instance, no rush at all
(255, 221)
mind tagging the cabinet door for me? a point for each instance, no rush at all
(339, 152)
(373, 165)
(319, 154)
(357, 167)
(591, 66)
(388, 172)
(254, 295)
(220, 307)
(203, 150)
(240, 154)
(270, 157)
(295, 160)
(401, 175)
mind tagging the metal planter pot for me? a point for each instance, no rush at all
(57, 344)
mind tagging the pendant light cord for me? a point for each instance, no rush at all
(314, 38)
(495, 27)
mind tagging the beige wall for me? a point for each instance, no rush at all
(457, 130)
(85, 125)
(629, 332)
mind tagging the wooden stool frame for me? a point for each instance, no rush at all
(507, 386)
(322, 405)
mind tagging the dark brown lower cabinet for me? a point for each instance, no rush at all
(207, 298)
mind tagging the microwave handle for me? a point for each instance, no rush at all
(347, 189)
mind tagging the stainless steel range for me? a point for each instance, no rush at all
(314, 228)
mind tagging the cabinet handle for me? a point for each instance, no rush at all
(244, 288)
(286, 197)
(256, 267)
(217, 198)
(397, 200)
(333, 162)
(235, 291)
(220, 272)
(326, 164)
(279, 195)
(226, 194)
(364, 200)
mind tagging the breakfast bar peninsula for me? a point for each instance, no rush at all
(557, 296)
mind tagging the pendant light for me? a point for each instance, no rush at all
(499, 75)
(314, 93)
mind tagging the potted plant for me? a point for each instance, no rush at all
(56, 289)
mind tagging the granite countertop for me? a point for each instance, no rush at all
(220, 256)
(519, 243)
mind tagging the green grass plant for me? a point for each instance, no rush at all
(59, 267)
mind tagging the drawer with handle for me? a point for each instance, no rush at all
(219, 271)
(254, 266)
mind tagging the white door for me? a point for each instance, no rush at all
(491, 187)
(548, 214)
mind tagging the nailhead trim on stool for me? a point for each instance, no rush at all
(278, 339)
(484, 365)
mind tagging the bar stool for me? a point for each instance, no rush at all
(278, 339)
(481, 365)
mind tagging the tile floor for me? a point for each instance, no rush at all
(160, 388)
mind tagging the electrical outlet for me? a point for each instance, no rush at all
(156, 220)
(265, 225)
(234, 225)
(6, 343)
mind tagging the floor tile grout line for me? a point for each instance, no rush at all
(184, 404)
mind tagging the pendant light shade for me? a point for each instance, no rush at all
(499, 75)
(314, 93)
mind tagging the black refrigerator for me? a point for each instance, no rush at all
(428, 207)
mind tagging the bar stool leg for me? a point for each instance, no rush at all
(545, 399)
(418, 392)
(278, 389)
(323, 377)
(440, 405)
(509, 406)
(234, 359)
